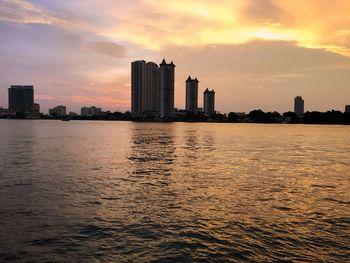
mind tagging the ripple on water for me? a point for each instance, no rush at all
(180, 192)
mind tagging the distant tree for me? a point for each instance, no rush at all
(346, 117)
(329, 117)
(232, 117)
(291, 117)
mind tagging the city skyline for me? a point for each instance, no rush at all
(256, 54)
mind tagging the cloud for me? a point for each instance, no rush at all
(20, 11)
(264, 11)
(284, 46)
(283, 68)
(107, 48)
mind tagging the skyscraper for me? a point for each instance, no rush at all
(192, 95)
(138, 86)
(299, 106)
(145, 89)
(152, 94)
(209, 102)
(21, 98)
(167, 89)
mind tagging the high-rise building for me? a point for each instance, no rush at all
(145, 88)
(209, 102)
(21, 98)
(192, 95)
(138, 86)
(299, 106)
(347, 108)
(167, 90)
(58, 111)
(152, 90)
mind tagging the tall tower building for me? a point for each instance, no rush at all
(299, 106)
(167, 89)
(152, 93)
(209, 102)
(347, 108)
(192, 95)
(145, 89)
(138, 86)
(21, 98)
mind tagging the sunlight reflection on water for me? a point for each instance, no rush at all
(122, 191)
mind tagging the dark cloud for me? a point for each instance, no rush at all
(107, 48)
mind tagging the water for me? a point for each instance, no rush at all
(123, 191)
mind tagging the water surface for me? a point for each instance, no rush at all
(119, 191)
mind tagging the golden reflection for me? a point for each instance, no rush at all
(152, 150)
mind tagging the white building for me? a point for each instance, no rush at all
(58, 111)
(90, 111)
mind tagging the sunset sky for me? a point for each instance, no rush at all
(256, 54)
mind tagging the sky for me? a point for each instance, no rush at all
(255, 54)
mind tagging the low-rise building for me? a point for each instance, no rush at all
(347, 108)
(90, 111)
(58, 111)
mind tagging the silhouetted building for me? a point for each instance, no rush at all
(138, 86)
(90, 111)
(209, 102)
(167, 90)
(36, 108)
(347, 108)
(192, 95)
(58, 111)
(151, 98)
(145, 88)
(21, 98)
(299, 106)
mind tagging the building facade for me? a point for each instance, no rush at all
(58, 111)
(152, 90)
(145, 89)
(299, 106)
(209, 102)
(192, 95)
(36, 108)
(90, 111)
(21, 98)
(167, 90)
(138, 86)
(347, 108)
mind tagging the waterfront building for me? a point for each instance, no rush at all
(36, 108)
(151, 101)
(347, 108)
(145, 89)
(192, 95)
(58, 111)
(138, 86)
(299, 106)
(209, 102)
(90, 111)
(21, 98)
(167, 90)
